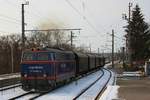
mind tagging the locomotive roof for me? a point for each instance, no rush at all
(49, 50)
(91, 55)
(58, 50)
(81, 54)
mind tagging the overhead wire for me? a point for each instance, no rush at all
(2, 32)
(83, 4)
(116, 36)
(10, 18)
(10, 3)
(37, 15)
(84, 17)
(85, 7)
(36, 12)
(10, 21)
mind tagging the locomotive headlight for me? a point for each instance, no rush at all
(25, 75)
(44, 75)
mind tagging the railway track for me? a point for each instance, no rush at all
(60, 86)
(104, 87)
(84, 90)
(34, 95)
(24, 95)
(9, 87)
(101, 91)
(30, 93)
(5, 75)
(7, 80)
(33, 98)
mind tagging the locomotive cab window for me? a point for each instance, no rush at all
(28, 56)
(43, 56)
(69, 56)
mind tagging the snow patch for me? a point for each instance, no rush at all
(69, 91)
(110, 93)
(5, 95)
(9, 76)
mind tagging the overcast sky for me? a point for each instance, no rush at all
(95, 17)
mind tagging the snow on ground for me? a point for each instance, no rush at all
(110, 93)
(113, 79)
(9, 86)
(136, 73)
(28, 97)
(9, 76)
(91, 93)
(109, 64)
(5, 95)
(69, 91)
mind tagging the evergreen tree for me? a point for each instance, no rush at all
(140, 36)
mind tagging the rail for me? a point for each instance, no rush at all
(22, 95)
(84, 90)
(60, 86)
(10, 87)
(104, 87)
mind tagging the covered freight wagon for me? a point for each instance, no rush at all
(81, 63)
(91, 61)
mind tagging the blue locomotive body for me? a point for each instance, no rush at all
(42, 70)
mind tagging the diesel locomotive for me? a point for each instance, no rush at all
(43, 69)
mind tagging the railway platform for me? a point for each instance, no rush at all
(134, 89)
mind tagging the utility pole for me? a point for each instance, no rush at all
(128, 45)
(12, 58)
(103, 53)
(112, 48)
(98, 50)
(90, 48)
(123, 57)
(23, 28)
(129, 36)
(23, 25)
(72, 36)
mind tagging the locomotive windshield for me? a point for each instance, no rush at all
(28, 56)
(39, 56)
(42, 56)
